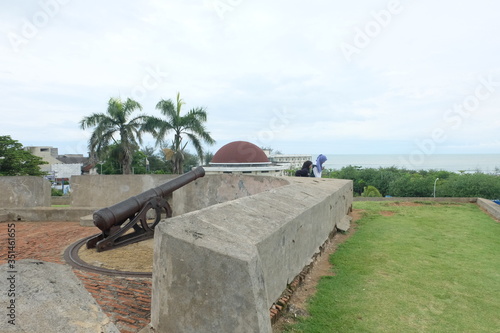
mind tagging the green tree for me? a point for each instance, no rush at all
(190, 125)
(116, 122)
(208, 157)
(16, 161)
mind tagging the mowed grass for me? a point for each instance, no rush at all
(426, 268)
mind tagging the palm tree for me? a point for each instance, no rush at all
(190, 125)
(115, 121)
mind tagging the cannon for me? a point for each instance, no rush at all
(127, 222)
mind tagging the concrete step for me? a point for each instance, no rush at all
(4, 216)
(87, 221)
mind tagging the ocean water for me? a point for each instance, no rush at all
(487, 163)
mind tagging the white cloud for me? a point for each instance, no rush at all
(257, 58)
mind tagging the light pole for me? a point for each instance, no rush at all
(435, 187)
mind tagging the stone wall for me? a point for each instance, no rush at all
(106, 190)
(217, 188)
(492, 208)
(220, 268)
(24, 191)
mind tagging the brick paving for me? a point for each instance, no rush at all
(126, 301)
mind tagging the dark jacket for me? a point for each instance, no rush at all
(302, 172)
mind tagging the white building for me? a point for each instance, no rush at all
(293, 161)
(60, 167)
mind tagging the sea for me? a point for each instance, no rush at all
(459, 163)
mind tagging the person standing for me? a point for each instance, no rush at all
(305, 171)
(318, 167)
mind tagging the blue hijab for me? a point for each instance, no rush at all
(319, 161)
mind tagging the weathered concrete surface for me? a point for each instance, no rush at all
(55, 214)
(215, 189)
(219, 269)
(87, 221)
(103, 191)
(60, 200)
(24, 191)
(491, 207)
(48, 297)
(106, 190)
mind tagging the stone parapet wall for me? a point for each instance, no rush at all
(220, 268)
(24, 191)
(491, 207)
(217, 188)
(60, 200)
(106, 190)
(44, 214)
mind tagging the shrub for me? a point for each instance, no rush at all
(371, 191)
(56, 192)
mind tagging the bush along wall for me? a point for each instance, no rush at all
(398, 182)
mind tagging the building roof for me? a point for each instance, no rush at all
(240, 152)
(72, 159)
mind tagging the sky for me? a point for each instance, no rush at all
(406, 77)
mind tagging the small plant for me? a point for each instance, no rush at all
(370, 191)
(56, 192)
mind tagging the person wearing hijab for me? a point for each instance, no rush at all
(305, 171)
(318, 168)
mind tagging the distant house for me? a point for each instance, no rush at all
(61, 167)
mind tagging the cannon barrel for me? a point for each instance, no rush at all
(108, 217)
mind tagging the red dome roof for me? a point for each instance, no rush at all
(240, 152)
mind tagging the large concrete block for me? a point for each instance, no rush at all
(220, 268)
(48, 297)
(24, 191)
(199, 272)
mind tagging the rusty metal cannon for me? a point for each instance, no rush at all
(117, 231)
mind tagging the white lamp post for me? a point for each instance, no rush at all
(435, 187)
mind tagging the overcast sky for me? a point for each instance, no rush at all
(325, 76)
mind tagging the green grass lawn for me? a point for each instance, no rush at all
(427, 268)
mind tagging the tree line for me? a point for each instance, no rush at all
(400, 182)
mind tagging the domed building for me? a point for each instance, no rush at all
(243, 157)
